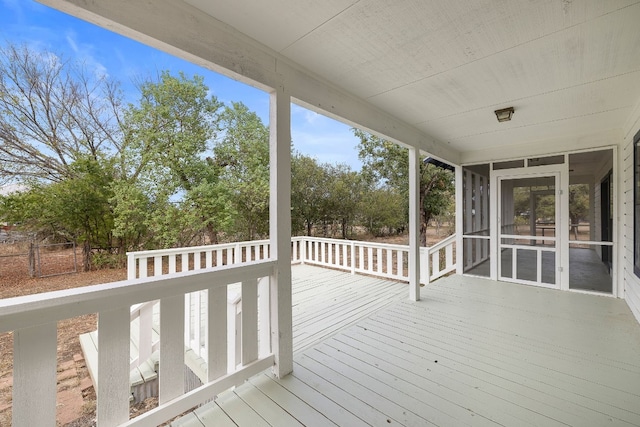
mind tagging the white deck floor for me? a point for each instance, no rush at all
(471, 352)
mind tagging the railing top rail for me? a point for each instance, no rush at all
(357, 242)
(37, 309)
(172, 251)
(441, 244)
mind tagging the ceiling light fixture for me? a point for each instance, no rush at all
(504, 115)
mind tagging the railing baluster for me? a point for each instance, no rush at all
(219, 254)
(238, 254)
(196, 315)
(34, 376)
(171, 375)
(264, 314)
(353, 257)
(187, 320)
(184, 261)
(217, 333)
(390, 262)
(209, 259)
(131, 266)
(157, 266)
(145, 335)
(249, 321)
(232, 337)
(172, 263)
(197, 260)
(113, 367)
(435, 262)
(142, 272)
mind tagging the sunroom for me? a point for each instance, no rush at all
(535, 104)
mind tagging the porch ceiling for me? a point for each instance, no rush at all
(569, 68)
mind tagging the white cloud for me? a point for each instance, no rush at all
(84, 53)
(70, 37)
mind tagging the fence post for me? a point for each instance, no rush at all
(32, 260)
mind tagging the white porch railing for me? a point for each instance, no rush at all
(153, 263)
(377, 259)
(33, 321)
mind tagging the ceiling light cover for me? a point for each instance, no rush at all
(504, 115)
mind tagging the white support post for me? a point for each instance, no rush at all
(217, 333)
(34, 376)
(280, 230)
(303, 250)
(171, 373)
(113, 367)
(414, 224)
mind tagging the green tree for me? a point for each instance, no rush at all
(309, 193)
(242, 154)
(578, 202)
(388, 163)
(75, 209)
(167, 137)
(345, 194)
(382, 211)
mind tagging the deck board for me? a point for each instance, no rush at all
(507, 354)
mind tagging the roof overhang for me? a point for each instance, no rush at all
(425, 74)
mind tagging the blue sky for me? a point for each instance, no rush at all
(24, 21)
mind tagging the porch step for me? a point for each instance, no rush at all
(143, 379)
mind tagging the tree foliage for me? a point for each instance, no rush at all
(242, 154)
(54, 113)
(174, 168)
(386, 163)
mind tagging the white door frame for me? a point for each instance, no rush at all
(561, 172)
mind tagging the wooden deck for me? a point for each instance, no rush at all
(472, 352)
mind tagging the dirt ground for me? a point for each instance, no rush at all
(76, 397)
(76, 400)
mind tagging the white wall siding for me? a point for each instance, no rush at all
(631, 281)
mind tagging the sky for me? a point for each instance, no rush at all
(127, 61)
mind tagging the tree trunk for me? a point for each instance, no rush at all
(86, 255)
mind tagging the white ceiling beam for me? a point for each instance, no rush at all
(186, 32)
